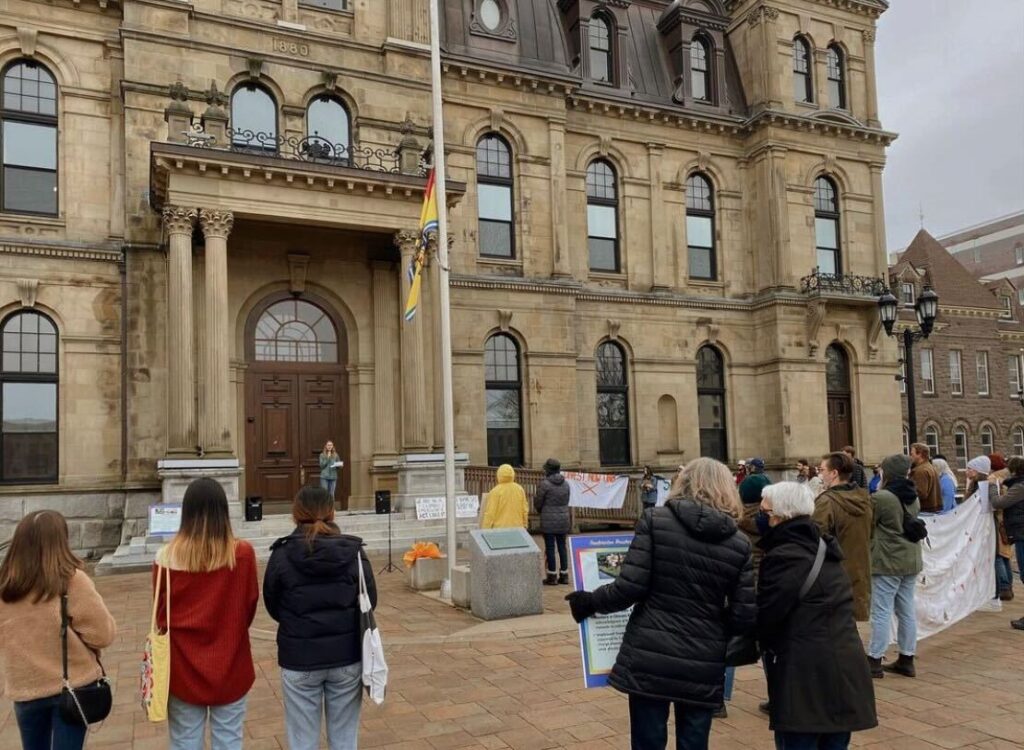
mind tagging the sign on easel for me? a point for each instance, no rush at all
(164, 519)
(433, 508)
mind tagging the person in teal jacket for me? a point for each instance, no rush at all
(328, 471)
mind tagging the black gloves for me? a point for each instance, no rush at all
(582, 605)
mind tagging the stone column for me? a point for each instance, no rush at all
(763, 20)
(662, 267)
(216, 433)
(415, 414)
(385, 358)
(869, 78)
(181, 416)
(562, 266)
(878, 210)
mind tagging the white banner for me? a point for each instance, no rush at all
(432, 508)
(664, 486)
(959, 565)
(596, 490)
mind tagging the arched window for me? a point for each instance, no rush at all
(700, 80)
(836, 77)
(601, 68)
(29, 117)
(961, 447)
(602, 217)
(1018, 441)
(711, 403)
(28, 387)
(294, 330)
(931, 439)
(612, 405)
(700, 227)
(253, 118)
(826, 226)
(495, 216)
(803, 85)
(906, 441)
(328, 125)
(988, 440)
(503, 385)
(840, 400)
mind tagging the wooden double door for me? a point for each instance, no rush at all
(840, 424)
(291, 411)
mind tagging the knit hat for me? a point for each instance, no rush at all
(980, 464)
(552, 466)
(896, 466)
(756, 463)
(997, 461)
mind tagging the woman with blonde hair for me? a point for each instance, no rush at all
(689, 571)
(39, 572)
(213, 595)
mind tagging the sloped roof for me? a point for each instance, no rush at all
(953, 283)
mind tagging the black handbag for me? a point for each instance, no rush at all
(89, 704)
(914, 529)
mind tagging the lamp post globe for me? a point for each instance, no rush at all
(927, 309)
(888, 309)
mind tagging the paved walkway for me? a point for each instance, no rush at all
(459, 683)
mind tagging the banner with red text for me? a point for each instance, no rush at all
(606, 491)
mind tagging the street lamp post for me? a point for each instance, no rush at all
(927, 307)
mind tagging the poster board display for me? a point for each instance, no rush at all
(164, 519)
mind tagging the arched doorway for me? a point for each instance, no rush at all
(296, 398)
(840, 410)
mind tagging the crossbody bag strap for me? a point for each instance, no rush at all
(819, 560)
(64, 636)
(162, 582)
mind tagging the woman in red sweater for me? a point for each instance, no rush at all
(213, 602)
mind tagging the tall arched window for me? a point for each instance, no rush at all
(711, 403)
(988, 440)
(700, 80)
(836, 77)
(601, 37)
(328, 123)
(840, 400)
(700, 227)
(602, 216)
(253, 118)
(294, 330)
(28, 399)
(1018, 441)
(612, 405)
(961, 447)
(803, 90)
(826, 226)
(28, 111)
(931, 439)
(503, 385)
(494, 197)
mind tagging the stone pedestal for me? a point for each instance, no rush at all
(177, 474)
(461, 586)
(506, 579)
(422, 475)
(426, 574)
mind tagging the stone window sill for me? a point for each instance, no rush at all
(607, 276)
(706, 284)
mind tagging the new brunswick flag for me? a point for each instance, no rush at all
(428, 224)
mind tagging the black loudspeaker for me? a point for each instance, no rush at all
(382, 501)
(254, 508)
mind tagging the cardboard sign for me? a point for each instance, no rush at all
(433, 508)
(164, 519)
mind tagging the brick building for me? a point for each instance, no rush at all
(992, 250)
(968, 373)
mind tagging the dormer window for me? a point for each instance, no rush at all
(1007, 311)
(490, 14)
(601, 49)
(907, 294)
(700, 81)
(1018, 254)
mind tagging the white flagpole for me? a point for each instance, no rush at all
(443, 293)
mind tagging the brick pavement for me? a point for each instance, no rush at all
(459, 683)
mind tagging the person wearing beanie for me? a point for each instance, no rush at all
(506, 506)
(551, 501)
(895, 565)
(979, 469)
(750, 495)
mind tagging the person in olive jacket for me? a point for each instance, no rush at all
(1012, 505)
(311, 588)
(688, 572)
(819, 686)
(551, 501)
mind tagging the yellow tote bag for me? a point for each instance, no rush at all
(155, 677)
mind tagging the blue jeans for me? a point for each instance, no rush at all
(42, 728)
(890, 593)
(340, 690)
(730, 678)
(805, 741)
(648, 724)
(551, 541)
(329, 485)
(186, 725)
(1004, 574)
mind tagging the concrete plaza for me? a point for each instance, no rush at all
(457, 682)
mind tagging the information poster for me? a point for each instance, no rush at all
(596, 561)
(432, 508)
(164, 519)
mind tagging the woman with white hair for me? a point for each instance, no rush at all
(819, 686)
(689, 573)
(947, 483)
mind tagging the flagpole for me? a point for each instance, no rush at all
(443, 292)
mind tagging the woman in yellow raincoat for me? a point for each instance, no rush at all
(506, 506)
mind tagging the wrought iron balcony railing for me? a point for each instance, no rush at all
(819, 283)
(313, 148)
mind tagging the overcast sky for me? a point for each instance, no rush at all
(951, 83)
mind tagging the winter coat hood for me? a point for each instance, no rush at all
(802, 531)
(904, 489)
(551, 501)
(556, 479)
(701, 520)
(328, 554)
(850, 498)
(505, 474)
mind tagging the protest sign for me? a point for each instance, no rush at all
(596, 490)
(432, 508)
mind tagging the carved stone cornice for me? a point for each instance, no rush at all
(216, 223)
(869, 35)
(179, 220)
(67, 252)
(871, 8)
(762, 13)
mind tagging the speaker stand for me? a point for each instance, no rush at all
(390, 567)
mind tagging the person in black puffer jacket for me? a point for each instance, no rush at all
(551, 501)
(311, 588)
(819, 684)
(1012, 505)
(689, 574)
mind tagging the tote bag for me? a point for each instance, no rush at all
(155, 677)
(375, 669)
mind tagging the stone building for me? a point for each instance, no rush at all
(968, 375)
(208, 208)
